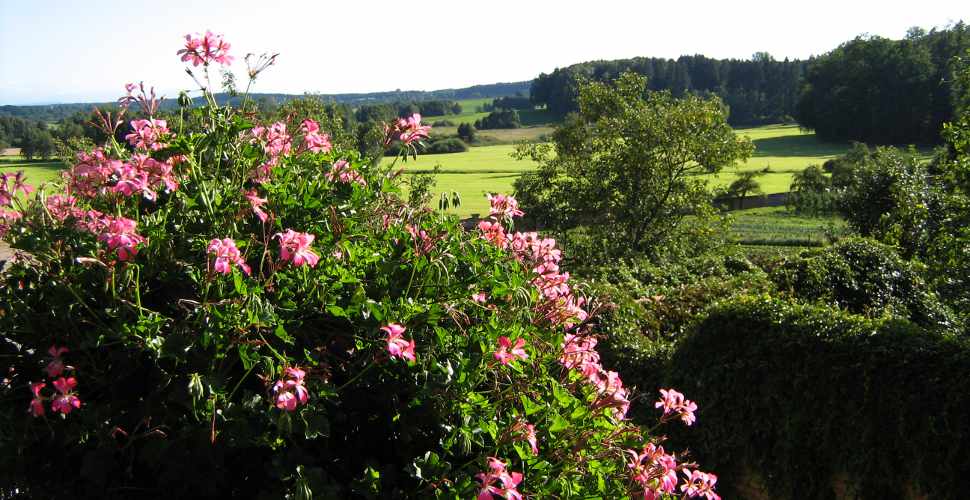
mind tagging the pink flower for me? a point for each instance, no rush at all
(61, 206)
(276, 141)
(295, 248)
(654, 469)
(498, 481)
(527, 431)
(66, 401)
(504, 207)
(506, 356)
(674, 404)
(290, 391)
(56, 365)
(407, 130)
(8, 192)
(700, 484)
(205, 49)
(119, 234)
(313, 140)
(397, 347)
(493, 232)
(146, 134)
(341, 171)
(256, 203)
(481, 297)
(37, 403)
(226, 255)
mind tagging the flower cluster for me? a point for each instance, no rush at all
(507, 352)
(313, 140)
(119, 233)
(8, 189)
(654, 470)
(397, 347)
(407, 130)
(498, 481)
(276, 143)
(256, 203)
(557, 305)
(675, 406)
(227, 255)
(700, 484)
(147, 134)
(295, 248)
(96, 174)
(503, 207)
(341, 171)
(205, 49)
(290, 391)
(64, 400)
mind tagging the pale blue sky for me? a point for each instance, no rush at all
(77, 51)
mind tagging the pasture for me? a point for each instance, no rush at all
(780, 151)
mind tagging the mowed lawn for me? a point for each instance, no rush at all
(35, 172)
(780, 151)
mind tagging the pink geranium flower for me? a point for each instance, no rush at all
(313, 140)
(480, 297)
(507, 352)
(256, 203)
(119, 234)
(504, 207)
(290, 391)
(226, 255)
(147, 134)
(527, 431)
(700, 484)
(37, 403)
(674, 404)
(205, 49)
(397, 346)
(498, 481)
(66, 401)
(295, 248)
(56, 365)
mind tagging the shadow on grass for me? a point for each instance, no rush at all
(29, 167)
(797, 145)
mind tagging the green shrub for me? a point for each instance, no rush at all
(865, 277)
(807, 394)
(449, 145)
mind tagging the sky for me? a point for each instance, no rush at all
(86, 50)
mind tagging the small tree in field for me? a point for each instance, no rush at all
(745, 185)
(625, 166)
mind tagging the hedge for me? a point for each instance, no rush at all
(814, 397)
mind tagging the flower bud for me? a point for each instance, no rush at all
(184, 100)
(196, 389)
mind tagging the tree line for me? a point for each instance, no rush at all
(756, 91)
(876, 90)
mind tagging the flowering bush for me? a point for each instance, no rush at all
(239, 309)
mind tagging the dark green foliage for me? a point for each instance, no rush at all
(449, 145)
(802, 393)
(759, 90)
(811, 192)
(516, 102)
(864, 277)
(506, 118)
(466, 132)
(744, 186)
(884, 91)
(888, 195)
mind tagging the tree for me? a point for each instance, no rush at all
(466, 131)
(811, 192)
(624, 167)
(37, 143)
(746, 184)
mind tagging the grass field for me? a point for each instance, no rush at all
(36, 172)
(782, 150)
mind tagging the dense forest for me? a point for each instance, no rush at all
(756, 91)
(877, 90)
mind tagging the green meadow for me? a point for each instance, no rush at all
(780, 151)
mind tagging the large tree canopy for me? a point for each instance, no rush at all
(884, 91)
(624, 166)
